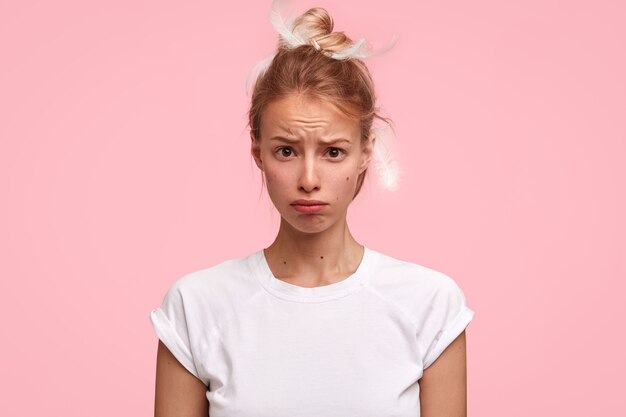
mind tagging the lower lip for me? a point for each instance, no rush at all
(308, 209)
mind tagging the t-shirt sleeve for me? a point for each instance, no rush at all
(444, 319)
(170, 323)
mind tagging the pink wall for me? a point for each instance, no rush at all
(124, 163)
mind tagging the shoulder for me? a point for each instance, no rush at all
(414, 288)
(431, 299)
(410, 276)
(216, 290)
(223, 276)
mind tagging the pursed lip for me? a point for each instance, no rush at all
(308, 203)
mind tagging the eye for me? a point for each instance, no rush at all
(281, 151)
(336, 153)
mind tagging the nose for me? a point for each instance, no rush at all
(309, 179)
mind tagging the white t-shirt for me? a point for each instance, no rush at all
(355, 348)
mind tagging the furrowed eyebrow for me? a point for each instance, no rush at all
(330, 142)
(286, 140)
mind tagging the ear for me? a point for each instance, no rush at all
(368, 152)
(255, 151)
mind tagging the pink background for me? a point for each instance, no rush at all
(125, 164)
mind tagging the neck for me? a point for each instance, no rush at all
(314, 259)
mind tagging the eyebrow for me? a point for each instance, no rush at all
(330, 142)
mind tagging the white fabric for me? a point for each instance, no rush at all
(265, 347)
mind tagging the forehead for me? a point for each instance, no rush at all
(299, 114)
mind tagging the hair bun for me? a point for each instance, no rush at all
(316, 24)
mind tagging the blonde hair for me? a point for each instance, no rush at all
(308, 70)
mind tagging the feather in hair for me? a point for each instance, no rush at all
(284, 29)
(257, 70)
(388, 169)
(361, 49)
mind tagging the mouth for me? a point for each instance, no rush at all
(308, 203)
(308, 206)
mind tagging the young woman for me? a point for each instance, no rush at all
(316, 324)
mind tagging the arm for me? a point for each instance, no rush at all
(178, 393)
(443, 386)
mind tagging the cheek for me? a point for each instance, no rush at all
(345, 185)
(277, 176)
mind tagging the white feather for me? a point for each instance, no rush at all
(361, 49)
(386, 48)
(388, 169)
(284, 29)
(356, 50)
(257, 70)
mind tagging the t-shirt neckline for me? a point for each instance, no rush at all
(294, 292)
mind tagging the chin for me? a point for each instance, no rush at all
(308, 223)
